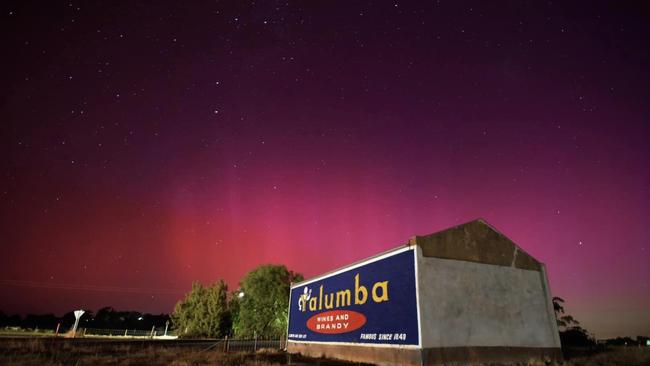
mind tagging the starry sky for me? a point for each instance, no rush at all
(149, 144)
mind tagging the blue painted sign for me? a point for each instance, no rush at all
(374, 303)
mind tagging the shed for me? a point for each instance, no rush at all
(464, 295)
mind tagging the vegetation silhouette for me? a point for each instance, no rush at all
(263, 302)
(105, 318)
(204, 312)
(258, 309)
(574, 338)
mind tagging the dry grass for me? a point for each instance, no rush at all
(59, 352)
(40, 351)
(620, 356)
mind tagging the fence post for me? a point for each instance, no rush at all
(152, 330)
(58, 325)
(125, 332)
(255, 343)
(227, 345)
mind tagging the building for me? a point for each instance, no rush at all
(463, 295)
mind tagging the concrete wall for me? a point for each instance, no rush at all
(468, 304)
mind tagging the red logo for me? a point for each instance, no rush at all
(336, 321)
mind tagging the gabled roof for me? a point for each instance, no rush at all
(476, 241)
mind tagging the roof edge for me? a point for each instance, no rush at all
(476, 241)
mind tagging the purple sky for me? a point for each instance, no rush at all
(150, 144)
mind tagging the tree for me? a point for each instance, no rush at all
(204, 312)
(563, 321)
(571, 333)
(234, 305)
(263, 302)
(557, 305)
(45, 321)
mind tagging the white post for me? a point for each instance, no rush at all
(77, 315)
(166, 326)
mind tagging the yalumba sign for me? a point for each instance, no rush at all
(373, 302)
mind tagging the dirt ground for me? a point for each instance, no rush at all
(41, 351)
(38, 351)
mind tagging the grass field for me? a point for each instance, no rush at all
(18, 332)
(40, 351)
(619, 356)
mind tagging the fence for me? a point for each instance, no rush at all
(133, 333)
(250, 345)
(159, 336)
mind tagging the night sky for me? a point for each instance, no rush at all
(146, 145)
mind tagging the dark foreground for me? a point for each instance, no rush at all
(80, 352)
(59, 352)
